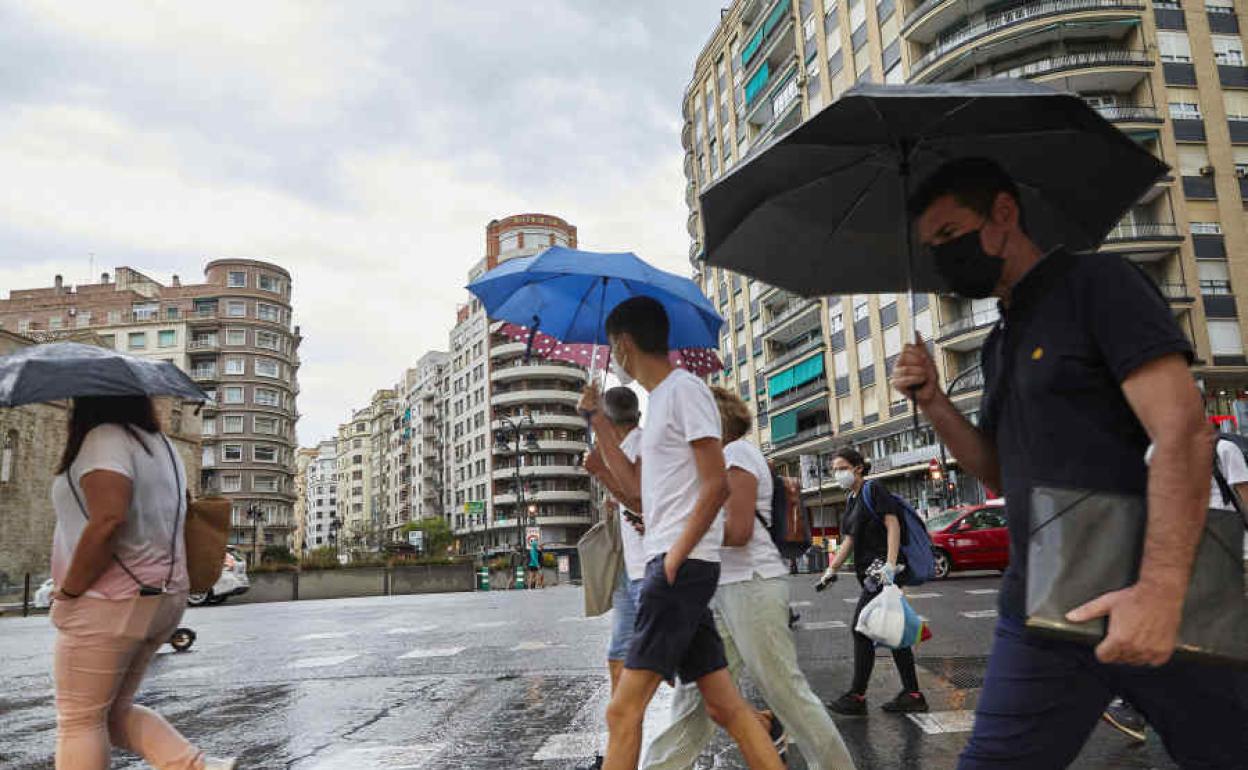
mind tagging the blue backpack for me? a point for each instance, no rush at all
(916, 545)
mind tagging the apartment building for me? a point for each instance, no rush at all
(1171, 75)
(423, 415)
(360, 462)
(233, 335)
(318, 526)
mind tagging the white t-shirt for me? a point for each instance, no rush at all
(681, 410)
(1235, 469)
(759, 556)
(634, 546)
(143, 542)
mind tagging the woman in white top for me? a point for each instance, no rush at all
(119, 560)
(751, 608)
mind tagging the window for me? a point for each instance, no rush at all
(56, 322)
(235, 366)
(267, 367)
(236, 309)
(264, 453)
(232, 423)
(232, 453)
(892, 342)
(1228, 50)
(1192, 159)
(866, 354)
(146, 312)
(861, 308)
(109, 340)
(267, 397)
(1183, 106)
(836, 318)
(264, 483)
(1174, 46)
(1225, 339)
(269, 283)
(166, 338)
(267, 340)
(1236, 103)
(266, 425)
(1215, 279)
(232, 483)
(236, 337)
(209, 427)
(1220, 6)
(233, 395)
(8, 457)
(267, 312)
(1206, 228)
(237, 280)
(137, 341)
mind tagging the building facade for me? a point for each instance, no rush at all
(320, 499)
(1171, 75)
(233, 334)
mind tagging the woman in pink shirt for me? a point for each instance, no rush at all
(119, 560)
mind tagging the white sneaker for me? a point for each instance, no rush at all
(220, 764)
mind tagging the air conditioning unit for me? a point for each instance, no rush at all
(1206, 170)
(73, 311)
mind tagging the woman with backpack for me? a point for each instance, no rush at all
(872, 531)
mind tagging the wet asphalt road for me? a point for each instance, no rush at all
(489, 680)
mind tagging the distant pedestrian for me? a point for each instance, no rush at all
(534, 570)
(682, 488)
(1086, 367)
(119, 560)
(872, 531)
(751, 608)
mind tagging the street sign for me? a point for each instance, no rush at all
(533, 535)
(565, 564)
(416, 538)
(474, 506)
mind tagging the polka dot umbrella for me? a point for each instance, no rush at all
(698, 361)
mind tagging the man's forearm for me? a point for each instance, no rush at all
(1178, 499)
(622, 497)
(974, 452)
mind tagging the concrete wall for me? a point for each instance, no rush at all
(429, 579)
(356, 582)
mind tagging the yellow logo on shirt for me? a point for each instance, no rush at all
(1037, 354)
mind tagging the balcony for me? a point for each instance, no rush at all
(551, 369)
(204, 373)
(789, 356)
(1111, 69)
(548, 496)
(1143, 241)
(968, 332)
(507, 349)
(1130, 113)
(798, 394)
(776, 45)
(1176, 293)
(691, 225)
(540, 471)
(1002, 25)
(203, 343)
(774, 100)
(570, 447)
(803, 436)
(518, 397)
(797, 308)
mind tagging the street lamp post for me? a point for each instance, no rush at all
(255, 514)
(514, 434)
(334, 525)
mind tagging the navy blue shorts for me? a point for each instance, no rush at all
(675, 633)
(1042, 698)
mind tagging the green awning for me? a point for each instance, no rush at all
(783, 425)
(795, 376)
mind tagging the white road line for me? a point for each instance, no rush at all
(981, 591)
(799, 604)
(414, 630)
(979, 614)
(490, 624)
(432, 652)
(332, 635)
(923, 596)
(822, 625)
(571, 746)
(412, 757)
(328, 660)
(938, 722)
(531, 646)
(851, 600)
(189, 673)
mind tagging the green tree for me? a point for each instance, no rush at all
(279, 554)
(438, 534)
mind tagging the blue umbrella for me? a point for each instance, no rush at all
(568, 294)
(59, 370)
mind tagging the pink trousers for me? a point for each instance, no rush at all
(103, 648)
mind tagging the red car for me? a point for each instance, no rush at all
(970, 537)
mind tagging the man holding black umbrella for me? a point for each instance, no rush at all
(1086, 368)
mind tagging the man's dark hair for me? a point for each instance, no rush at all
(643, 319)
(621, 406)
(973, 182)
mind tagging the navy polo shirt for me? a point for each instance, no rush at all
(1076, 327)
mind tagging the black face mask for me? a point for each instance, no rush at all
(966, 267)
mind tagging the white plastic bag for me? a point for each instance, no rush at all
(883, 620)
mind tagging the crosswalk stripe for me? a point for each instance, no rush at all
(923, 596)
(411, 757)
(799, 604)
(533, 646)
(938, 722)
(981, 591)
(821, 625)
(979, 614)
(432, 652)
(412, 630)
(322, 662)
(490, 624)
(571, 746)
(332, 635)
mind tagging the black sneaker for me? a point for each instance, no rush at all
(1126, 719)
(849, 704)
(907, 703)
(779, 737)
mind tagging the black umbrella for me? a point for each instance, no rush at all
(822, 211)
(62, 370)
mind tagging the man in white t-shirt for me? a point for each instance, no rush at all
(752, 613)
(682, 488)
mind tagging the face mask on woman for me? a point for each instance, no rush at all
(844, 479)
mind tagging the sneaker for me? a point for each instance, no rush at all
(1126, 719)
(907, 703)
(794, 617)
(850, 704)
(220, 764)
(779, 737)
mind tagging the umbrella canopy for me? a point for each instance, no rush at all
(822, 210)
(699, 361)
(62, 370)
(568, 294)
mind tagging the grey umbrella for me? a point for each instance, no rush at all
(822, 211)
(62, 370)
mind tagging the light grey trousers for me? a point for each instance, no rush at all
(753, 620)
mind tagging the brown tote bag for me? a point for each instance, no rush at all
(207, 530)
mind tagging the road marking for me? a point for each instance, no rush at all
(414, 630)
(189, 673)
(571, 746)
(490, 624)
(333, 635)
(329, 660)
(822, 625)
(412, 757)
(982, 591)
(851, 600)
(923, 596)
(581, 619)
(530, 646)
(433, 652)
(799, 604)
(979, 614)
(938, 722)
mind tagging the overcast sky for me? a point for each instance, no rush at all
(362, 145)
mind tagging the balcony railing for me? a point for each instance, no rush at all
(1017, 15)
(1107, 57)
(1175, 291)
(203, 374)
(824, 429)
(968, 323)
(798, 307)
(206, 343)
(797, 394)
(1143, 231)
(1129, 113)
(792, 355)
